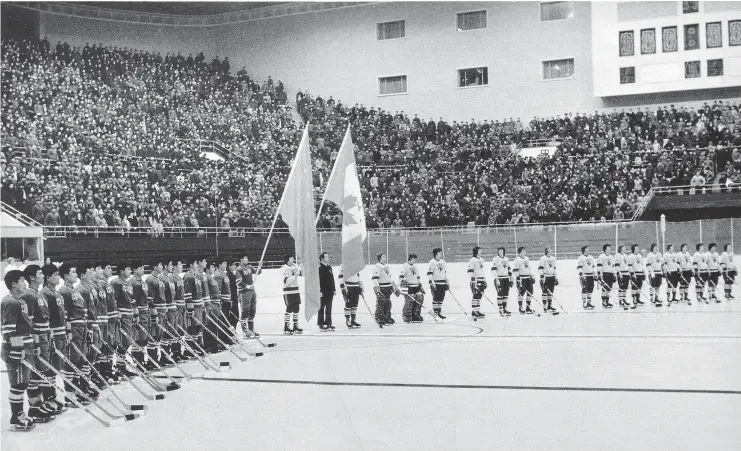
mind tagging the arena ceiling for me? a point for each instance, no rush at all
(180, 8)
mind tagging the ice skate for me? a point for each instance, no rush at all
(55, 406)
(589, 306)
(71, 398)
(287, 330)
(296, 329)
(529, 310)
(439, 314)
(40, 414)
(505, 311)
(20, 422)
(330, 328)
(390, 321)
(354, 324)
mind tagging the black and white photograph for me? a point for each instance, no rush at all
(370, 226)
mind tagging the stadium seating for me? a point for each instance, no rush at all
(77, 121)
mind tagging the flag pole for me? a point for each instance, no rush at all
(331, 175)
(275, 217)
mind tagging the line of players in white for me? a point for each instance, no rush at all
(627, 270)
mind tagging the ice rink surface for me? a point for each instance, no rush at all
(665, 378)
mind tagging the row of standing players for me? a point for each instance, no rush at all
(626, 270)
(96, 319)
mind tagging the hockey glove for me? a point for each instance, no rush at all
(136, 319)
(542, 283)
(37, 351)
(397, 291)
(380, 297)
(484, 285)
(89, 335)
(16, 350)
(472, 284)
(556, 281)
(432, 287)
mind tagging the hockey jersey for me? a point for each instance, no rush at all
(90, 295)
(123, 291)
(38, 311)
(176, 285)
(351, 281)
(585, 265)
(476, 269)
(56, 311)
(654, 262)
(605, 264)
(521, 267)
(437, 272)
(105, 289)
(713, 260)
(726, 261)
(381, 275)
(699, 262)
(547, 266)
(636, 264)
(621, 263)
(501, 268)
(139, 292)
(684, 261)
(222, 282)
(16, 324)
(74, 305)
(290, 278)
(410, 275)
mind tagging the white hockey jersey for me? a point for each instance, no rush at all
(605, 264)
(700, 261)
(585, 265)
(521, 267)
(726, 261)
(437, 272)
(381, 275)
(501, 268)
(410, 275)
(476, 269)
(547, 265)
(290, 278)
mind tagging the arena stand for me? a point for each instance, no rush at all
(76, 120)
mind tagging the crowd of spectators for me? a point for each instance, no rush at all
(76, 121)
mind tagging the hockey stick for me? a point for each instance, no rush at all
(206, 355)
(127, 417)
(427, 309)
(187, 375)
(456, 301)
(155, 397)
(242, 359)
(553, 296)
(183, 342)
(244, 348)
(609, 292)
(144, 372)
(267, 345)
(74, 401)
(640, 290)
(128, 407)
(139, 370)
(227, 330)
(366, 305)
(173, 382)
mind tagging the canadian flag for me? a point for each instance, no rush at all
(343, 188)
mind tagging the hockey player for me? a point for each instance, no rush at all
(637, 273)
(585, 266)
(176, 322)
(165, 313)
(127, 311)
(351, 288)
(157, 311)
(437, 273)
(383, 287)
(245, 275)
(38, 311)
(502, 272)
(89, 292)
(410, 280)
(548, 279)
(57, 326)
(606, 274)
(713, 261)
(524, 278)
(110, 330)
(192, 294)
(212, 311)
(655, 263)
(101, 319)
(478, 282)
(623, 275)
(204, 338)
(683, 261)
(142, 315)
(17, 347)
(77, 329)
(700, 267)
(728, 266)
(222, 283)
(291, 295)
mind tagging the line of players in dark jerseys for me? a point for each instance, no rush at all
(63, 321)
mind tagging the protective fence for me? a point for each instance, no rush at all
(565, 240)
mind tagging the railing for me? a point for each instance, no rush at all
(21, 217)
(208, 145)
(543, 142)
(692, 190)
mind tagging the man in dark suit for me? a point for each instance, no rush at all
(327, 287)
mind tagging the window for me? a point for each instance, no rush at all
(715, 68)
(478, 76)
(692, 69)
(391, 30)
(627, 75)
(553, 70)
(471, 21)
(690, 7)
(556, 11)
(392, 85)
